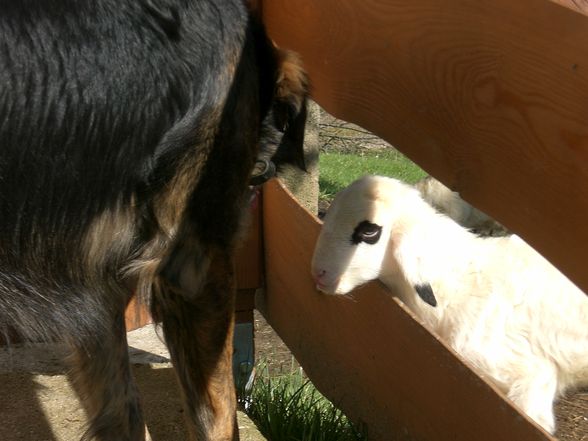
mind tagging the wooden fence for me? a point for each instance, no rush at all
(489, 96)
(368, 353)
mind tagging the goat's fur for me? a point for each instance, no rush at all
(500, 305)
(450, 203)
(128, 131)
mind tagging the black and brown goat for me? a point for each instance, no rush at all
(128, 131)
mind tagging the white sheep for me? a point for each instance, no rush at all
(500, 305)
(449, 202)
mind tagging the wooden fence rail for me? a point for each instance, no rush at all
(490, 96)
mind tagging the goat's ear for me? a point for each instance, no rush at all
(291, 87)
(289, 107)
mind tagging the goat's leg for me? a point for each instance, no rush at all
(198, 330)
(101, 374)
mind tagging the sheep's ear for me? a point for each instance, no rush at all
(289, 108)
(425, 292)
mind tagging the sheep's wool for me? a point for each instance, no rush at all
(504, 308)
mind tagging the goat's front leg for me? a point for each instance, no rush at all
(198, 329)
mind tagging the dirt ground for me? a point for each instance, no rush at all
(38, 402)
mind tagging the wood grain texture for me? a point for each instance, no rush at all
(489, 96)
(368, 354)
(576, 5)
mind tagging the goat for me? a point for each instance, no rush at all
(499, 304)
(128, 132)
(450, 203)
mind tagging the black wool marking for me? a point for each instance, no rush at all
(425, 292)
(366, 232)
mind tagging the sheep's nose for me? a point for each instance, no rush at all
(324, 280)
(319, 276)
(321, 279)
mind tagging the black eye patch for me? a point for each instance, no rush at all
(366, 232)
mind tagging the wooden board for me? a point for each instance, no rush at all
(368, 354)
(137, 315)
(490, 96)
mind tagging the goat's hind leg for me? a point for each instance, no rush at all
(102, 376)
(198, 329)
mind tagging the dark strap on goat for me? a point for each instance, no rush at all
(263, 171)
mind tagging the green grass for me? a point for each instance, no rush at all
(338, 170)
(289, 408)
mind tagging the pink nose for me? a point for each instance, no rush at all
(318, 276)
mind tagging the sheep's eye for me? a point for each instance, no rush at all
(366, 232)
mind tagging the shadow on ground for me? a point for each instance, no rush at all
(39, 403)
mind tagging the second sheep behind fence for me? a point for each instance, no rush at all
(450, 203)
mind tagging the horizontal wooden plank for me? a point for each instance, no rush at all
(137, 315)
(368, 354)
(490, 96)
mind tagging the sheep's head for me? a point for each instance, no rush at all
(355, 237)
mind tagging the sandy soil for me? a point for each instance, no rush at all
(39, 404)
